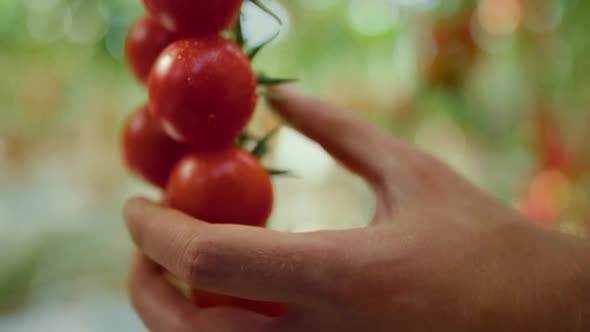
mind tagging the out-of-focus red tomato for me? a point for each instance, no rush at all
(553, 152)
(146, 40)
(195, 17)
(148, 151)
(455, 51)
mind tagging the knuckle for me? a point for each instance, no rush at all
(330, 279)
(203, 261)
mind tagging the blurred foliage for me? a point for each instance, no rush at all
(499, 89)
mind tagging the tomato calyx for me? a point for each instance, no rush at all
(254, 51)
(267, 10)
(265, 80)
(281, 173)
(259, 149)
(238, 36)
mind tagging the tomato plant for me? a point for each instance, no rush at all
(148, 151)
(193, 17)
(146, 40)
(223, 186)
(206, 299)
(204, 91)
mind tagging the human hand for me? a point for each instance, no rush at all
(440, 254)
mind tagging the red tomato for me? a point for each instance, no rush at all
(209, 300)
(195, 17)
(223, 186)
(146, 40)
(204, 91)
(456, 51)
(147, 151)
(552, 148)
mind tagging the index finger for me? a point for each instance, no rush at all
(350, 139)
(240, 261)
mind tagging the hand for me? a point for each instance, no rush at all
(440, 255)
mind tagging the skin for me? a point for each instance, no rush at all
(440, 255)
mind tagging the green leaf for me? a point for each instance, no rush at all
(261, 149)
(265, 80)
(267, 10)
(253, 52)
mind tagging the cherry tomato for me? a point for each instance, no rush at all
(146, 40)
(204, 91)
(552, 148)
(206, 299)
(456, 51)
(195, 17)
(148, 151)
(226, 186)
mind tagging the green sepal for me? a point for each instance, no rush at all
(261, 149)
(240, 39)
(253, 52)
(280, 172)
(245, 137)
(265, 80)
(267, 10)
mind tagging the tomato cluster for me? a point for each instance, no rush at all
(202, 94)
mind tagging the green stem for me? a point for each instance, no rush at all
(267, 10)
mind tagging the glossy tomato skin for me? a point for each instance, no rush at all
(195, 17)
(204, 91)
(206, 299)
(226, 186)
(145, 41)
(148, 151)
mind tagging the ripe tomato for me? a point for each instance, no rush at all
(222, 186)
(552, 149)
(204, 91)
(195, 17)
(209, 300)
(147, 151)
(146, 40)
(456, 51)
